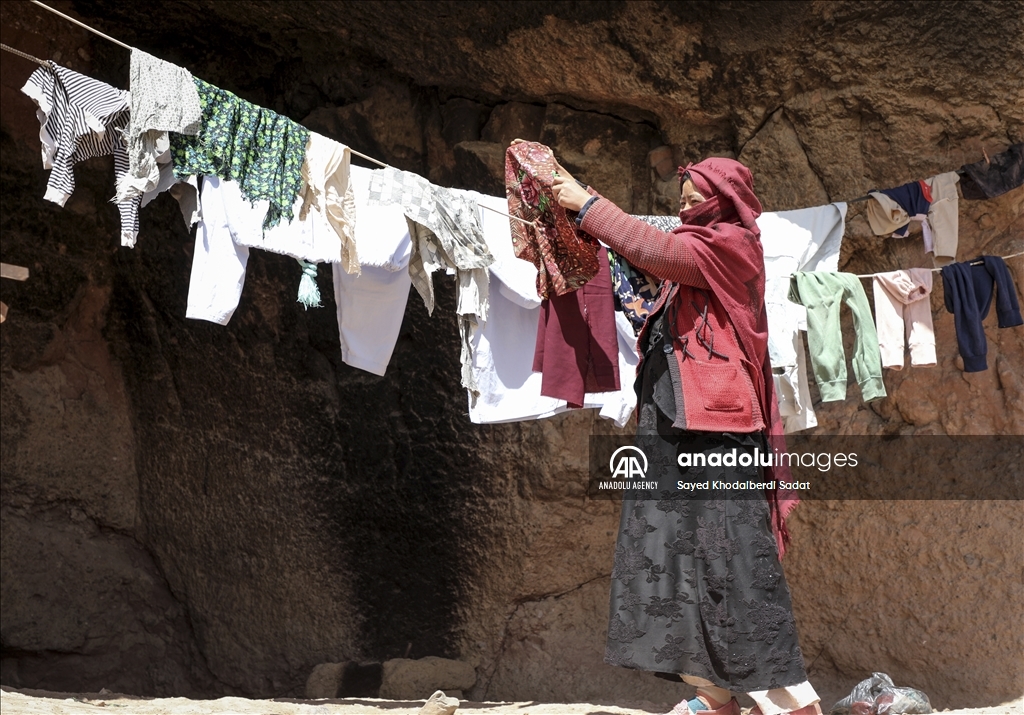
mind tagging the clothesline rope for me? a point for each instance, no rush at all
(359, 154)
(23, 55)
(933, 270)
(82, 24)
(368, 158)
(500, 213)
(129, 47)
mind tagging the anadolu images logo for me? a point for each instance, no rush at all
(628, 465)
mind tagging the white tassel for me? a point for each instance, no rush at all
(309, 293)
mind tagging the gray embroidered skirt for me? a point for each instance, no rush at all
(697, 587)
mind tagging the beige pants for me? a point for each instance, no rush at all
(772, 702)
(944, 217)
(902, 308)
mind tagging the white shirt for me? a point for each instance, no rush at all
(801, 240)
(504, 344)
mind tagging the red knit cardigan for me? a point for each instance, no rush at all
(737, 297)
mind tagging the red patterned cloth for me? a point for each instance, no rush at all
(566, 257)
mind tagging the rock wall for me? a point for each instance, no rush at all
(191, 509)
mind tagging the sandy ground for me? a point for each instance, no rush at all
(36, 702)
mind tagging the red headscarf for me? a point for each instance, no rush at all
(724, 239)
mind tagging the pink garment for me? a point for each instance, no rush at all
(902, 308)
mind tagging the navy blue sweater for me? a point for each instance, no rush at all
(969, 290)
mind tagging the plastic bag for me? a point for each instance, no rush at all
(879, 696)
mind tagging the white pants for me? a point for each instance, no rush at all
(218, 263)
(230, 226)
(371, 306)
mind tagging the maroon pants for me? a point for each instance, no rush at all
(577, 347)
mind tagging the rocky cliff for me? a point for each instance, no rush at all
(191, 509)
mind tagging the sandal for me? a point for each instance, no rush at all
(730, 708)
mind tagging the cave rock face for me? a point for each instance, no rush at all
(190, 509)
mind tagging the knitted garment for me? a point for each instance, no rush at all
(260, 149)
(822, 292)
(566, 257)
(969, 288)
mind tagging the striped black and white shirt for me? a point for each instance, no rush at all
(81, 118)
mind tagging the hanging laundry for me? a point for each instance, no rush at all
(324, 229)
(933, 202)
(382, 232)
(81, 118)
(902, 307)
(310, 238)
(446, 233)
(821, 293)
(993, 177)
(566, 257)
(576, 347)
(634, 290)
(504, 345)
(371, 304)
(891, 210)
(969, 288)
(218, 263)
(944, 218)
(260, 149)
(185, 191)
(793, 241)
(668, 224)
(326, 190)
(163, 99)
(230, 226)
(518, 277)
(510, 391)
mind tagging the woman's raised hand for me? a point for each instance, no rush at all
(568, 193)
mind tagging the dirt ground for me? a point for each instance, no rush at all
(37, 702)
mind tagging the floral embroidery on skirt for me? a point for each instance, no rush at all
(697, 587)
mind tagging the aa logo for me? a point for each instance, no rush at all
(624, 464)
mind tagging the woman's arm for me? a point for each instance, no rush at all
(662, 255)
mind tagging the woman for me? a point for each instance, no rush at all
(697, 588)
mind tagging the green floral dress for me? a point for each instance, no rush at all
(256, 147)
